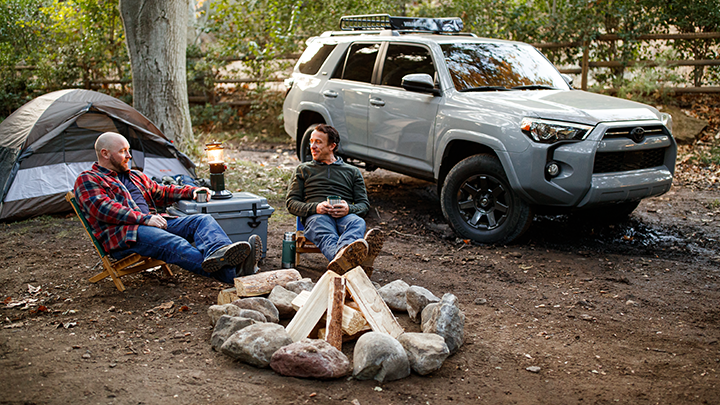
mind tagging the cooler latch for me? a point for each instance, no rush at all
(254, 223)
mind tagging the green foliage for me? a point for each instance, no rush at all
(70, 43)
(211, 118)
(648, 84)
(62, 44)
(712, 157)
(22, 34)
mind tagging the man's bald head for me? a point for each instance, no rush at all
(108, 141)
(113, 152)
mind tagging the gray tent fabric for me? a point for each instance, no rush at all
(49, 141)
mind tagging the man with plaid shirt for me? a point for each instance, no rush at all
(120, 206)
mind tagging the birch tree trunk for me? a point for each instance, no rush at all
(156, 37)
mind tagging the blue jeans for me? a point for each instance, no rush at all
(174, 244)
(331, 234)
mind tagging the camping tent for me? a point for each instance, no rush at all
(46, 143)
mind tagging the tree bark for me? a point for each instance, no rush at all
(156, 37)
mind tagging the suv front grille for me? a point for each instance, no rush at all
(626, 132)
(606, 162)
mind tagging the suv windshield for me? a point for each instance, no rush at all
(500, 66)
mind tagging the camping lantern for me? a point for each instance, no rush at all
(217, 169)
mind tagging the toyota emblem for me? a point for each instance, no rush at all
(637, 134)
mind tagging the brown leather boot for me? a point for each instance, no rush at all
(349, 257)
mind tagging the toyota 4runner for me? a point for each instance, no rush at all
(493, 122)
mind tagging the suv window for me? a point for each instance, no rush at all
(476, 65)
(360, 62)
(403, 59)
(313, 58)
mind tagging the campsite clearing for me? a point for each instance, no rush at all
(575, 313)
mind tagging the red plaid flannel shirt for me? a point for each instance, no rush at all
(109, 208)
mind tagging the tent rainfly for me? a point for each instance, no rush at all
(46, 143)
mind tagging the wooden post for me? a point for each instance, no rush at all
(263, 283)
(353, 320)
(371, 304)
(309, 314)
(333, 324)
(227, 296)
(585, 65)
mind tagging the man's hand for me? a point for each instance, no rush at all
(335, 211)
(158, 222)
(209, 193)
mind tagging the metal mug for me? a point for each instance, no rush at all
(334, 200)
(202, 196)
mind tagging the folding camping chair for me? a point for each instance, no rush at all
(115, 268)
(302, 245)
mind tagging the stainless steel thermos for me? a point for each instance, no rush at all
(288, 250)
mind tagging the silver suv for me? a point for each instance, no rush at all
(493, 122)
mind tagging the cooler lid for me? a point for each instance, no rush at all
(239, 202)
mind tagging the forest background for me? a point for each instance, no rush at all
(47, 45)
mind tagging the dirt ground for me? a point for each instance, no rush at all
(611, 313)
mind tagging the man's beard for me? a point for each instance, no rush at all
(118, 166)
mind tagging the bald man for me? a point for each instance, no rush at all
(121, 206)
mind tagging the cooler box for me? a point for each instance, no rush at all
(242, 215)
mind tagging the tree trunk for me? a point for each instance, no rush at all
(156, 37)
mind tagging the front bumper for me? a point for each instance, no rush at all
(606, 168)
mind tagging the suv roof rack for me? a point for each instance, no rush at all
(409, 24)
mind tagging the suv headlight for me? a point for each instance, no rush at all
(546, 131)
(666, 119)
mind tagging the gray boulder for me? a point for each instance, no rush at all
(260, 304)
(255, 344)
(426, 351)
(297, 287)
(417, 299)
(394, 295)
(282, 299)
(216, 311)
(225, 327)
(445, 319)
(310, 358)
(380, 357)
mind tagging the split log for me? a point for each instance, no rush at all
(345, 338)
(353, 320)
(336, 302)
(309, 314)
(227, 296)
(263, 283)
(371, 304)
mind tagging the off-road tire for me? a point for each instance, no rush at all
(479, 204)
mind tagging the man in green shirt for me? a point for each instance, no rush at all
(336, 229)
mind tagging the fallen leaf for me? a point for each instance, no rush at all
(165, 305)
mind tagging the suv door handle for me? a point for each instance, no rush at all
(377, 102)
(330, 93)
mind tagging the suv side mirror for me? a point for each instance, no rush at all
(568, 79)
(419, 82)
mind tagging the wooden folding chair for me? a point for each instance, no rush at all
(115, 268)
(302, 245)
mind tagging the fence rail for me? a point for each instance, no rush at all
(586, 64)
(583, 70)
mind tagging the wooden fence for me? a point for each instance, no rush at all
(586, 64)
(583, 69)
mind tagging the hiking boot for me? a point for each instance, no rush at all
(375, 239)
(228, 255)
(349, 257)
(250, 266)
